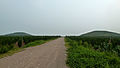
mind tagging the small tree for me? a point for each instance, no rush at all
(81, 42)
(85, 44)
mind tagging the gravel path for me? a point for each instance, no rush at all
(49, 55)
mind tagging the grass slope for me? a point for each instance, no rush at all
(100, 33)
(18, 34)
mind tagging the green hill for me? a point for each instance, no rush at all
(18, 34)
(101, 33)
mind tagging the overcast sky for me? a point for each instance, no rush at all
(59, 16)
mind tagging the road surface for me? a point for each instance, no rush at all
(49, 55)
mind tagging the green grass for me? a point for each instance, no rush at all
(15, 50)
(66, 43)
(35, 43)
(85, 57)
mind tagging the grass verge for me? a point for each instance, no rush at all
(35, 43)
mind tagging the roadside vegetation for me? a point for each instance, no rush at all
(93, 52)
(12, 44)
(35, 43)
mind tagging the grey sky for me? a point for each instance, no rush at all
(59, 16)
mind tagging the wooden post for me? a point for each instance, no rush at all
(16, 44)
(23, 43)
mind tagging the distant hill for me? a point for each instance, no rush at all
(101, 33)
(18, 34)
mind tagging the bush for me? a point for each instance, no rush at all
(84, 57)
(87, 55)
(5, 48)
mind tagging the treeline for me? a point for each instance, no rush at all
(93, 52)
(9, 42)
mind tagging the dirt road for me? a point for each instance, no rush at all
(49, 55)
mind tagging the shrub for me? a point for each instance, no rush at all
(84, 57)
(87, 55)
